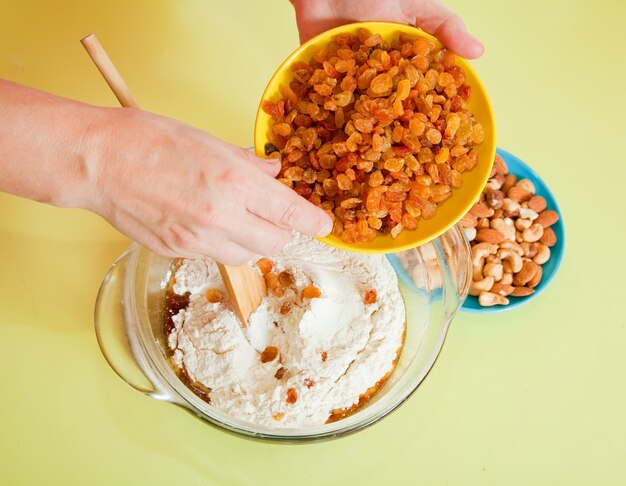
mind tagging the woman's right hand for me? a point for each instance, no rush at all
(182, 192)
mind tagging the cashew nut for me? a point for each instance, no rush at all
(477, 269)
(523, 224)
(494, 270)
(479, 286)
(507, 277)
(470, 233)
(527, 185)
(510, 208)
(513, 246)
(506, 267)
(504, 226)
(488, 299)
(512, 257)
(519, 237)
(528, 213)
(483, 223)
(543, 254)
(533, 233)
(494, 199)
(492, 259)
(481, 250)
(530, 249)
(494, 183)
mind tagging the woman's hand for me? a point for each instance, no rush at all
(182, 192)
(177, 190)
(315, 16)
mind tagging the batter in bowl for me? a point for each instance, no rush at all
(321, 343)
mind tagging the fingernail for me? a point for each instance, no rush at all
(327, 227)
(477, 48)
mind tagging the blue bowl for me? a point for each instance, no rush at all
(523, 171)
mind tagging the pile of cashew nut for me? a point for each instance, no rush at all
(509, 231)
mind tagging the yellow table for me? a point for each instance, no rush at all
(534, 396)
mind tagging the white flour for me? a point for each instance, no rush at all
(359, 340)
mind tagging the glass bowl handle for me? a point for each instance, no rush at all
(111, 330)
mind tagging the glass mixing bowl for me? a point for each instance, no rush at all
(434, 280)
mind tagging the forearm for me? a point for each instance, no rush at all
(44, 145)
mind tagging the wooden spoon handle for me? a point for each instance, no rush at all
(109, 72)
(247, 285)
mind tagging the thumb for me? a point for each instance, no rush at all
(448, 27)
(270, 166)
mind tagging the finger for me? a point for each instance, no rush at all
(214, 246)
(229, 253)
(275, 202)
(270, 166)
(448, 27)
(145, 236)
(260, 236)
(224, 251)
(137, 231)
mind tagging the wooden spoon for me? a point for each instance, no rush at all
(246, 288)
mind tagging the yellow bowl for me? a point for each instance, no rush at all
(450, 211)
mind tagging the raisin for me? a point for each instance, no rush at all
(381, 83)
(409, 222)
(395, 231)
(269, 354)
(285, 308)
(285, 279)
(269, 148)
(376, 179)
(343, 182)
(214, 295)
(292, 396)
(272, 109)
(374, 223)
(394, 164)
(311, 292)
(434, 136)
(283, 129)
(370, 296)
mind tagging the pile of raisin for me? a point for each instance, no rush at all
(376, 134)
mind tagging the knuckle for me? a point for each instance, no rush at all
(163, 249)
(289, 214)
(227, 176)
(180, 239)
(208, 216)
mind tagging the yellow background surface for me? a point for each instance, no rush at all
(534, 396)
